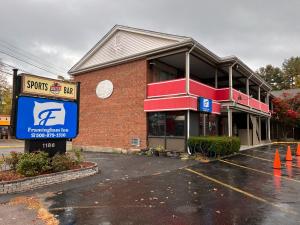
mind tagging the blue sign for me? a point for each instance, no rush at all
(40, 118)
(205, 105)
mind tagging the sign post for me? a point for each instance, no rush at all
(46, 113)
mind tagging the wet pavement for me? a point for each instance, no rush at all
(243, 189)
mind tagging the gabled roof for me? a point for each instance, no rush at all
(123, 43)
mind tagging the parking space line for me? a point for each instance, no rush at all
(256, 157)
(240, 191)
(269, 160)
(258, 171)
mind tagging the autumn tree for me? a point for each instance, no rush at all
(286, 111)
(5, 93)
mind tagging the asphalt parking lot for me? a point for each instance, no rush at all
(243, 189)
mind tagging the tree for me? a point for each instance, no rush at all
(5, 93)
(291, 72)
(286, 111)
(272, 75)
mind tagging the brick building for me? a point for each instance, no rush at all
(141, 89)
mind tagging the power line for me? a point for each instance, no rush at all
(33, 57)
(22, 60)
(13, 67)
(6, 72)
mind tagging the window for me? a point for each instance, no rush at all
(156, 124)
(175, 124)
(166, 124)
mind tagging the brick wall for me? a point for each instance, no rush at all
(114, 121)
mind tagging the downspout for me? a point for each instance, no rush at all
(187, 87)
(248, 89)
(230, 80)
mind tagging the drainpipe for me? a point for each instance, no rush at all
(230, 80)
(187, 88)
(247, 87)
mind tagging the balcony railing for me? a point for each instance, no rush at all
(177, 88)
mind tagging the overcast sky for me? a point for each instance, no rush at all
(60, 32)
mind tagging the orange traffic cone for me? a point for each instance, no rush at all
(298, 150)
(288, 156)
(277, 163)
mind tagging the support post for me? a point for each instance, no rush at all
(259, 131)
(13, 100)
(248, 91)
(269, 129)
(230, 83)
(204, 124)
(187, 72)
(229, 122)
(216, 78)
(248, 129)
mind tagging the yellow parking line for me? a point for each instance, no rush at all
(241, 191)
(269, 160)
(258, 171)
(255, 157)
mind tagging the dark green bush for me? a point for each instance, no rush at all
(32, 164)
(61, 162)
(214, 146)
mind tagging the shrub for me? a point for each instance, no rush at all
(32, 164)
(12, 160)
(61, 162)
(214, 146)
(78, 156)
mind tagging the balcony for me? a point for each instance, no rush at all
(176, 88)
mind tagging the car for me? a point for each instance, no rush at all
(3, 132)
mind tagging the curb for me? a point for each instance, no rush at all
(30, 183)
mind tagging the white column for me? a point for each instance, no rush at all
(229, 122)
(269, 128)
(259, 131)
(248, 90)
(187, 72)
(204, 124)
(188, 124)
(230, 83)
(248, 129)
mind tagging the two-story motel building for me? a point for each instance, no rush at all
(141, 89)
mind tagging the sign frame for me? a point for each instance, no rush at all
(39, 138)
(65, 84)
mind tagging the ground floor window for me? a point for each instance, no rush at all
(169, 124)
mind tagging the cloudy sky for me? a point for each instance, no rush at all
(57, 33)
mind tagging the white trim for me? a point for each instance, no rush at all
(167, 81)
(185, 96)
(170, 109)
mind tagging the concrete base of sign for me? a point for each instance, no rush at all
(30, 183)
(107, 149)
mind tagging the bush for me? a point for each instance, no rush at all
(78, 155)
(214, 146)
(32, 164)
(12, 160)
(61, 162)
